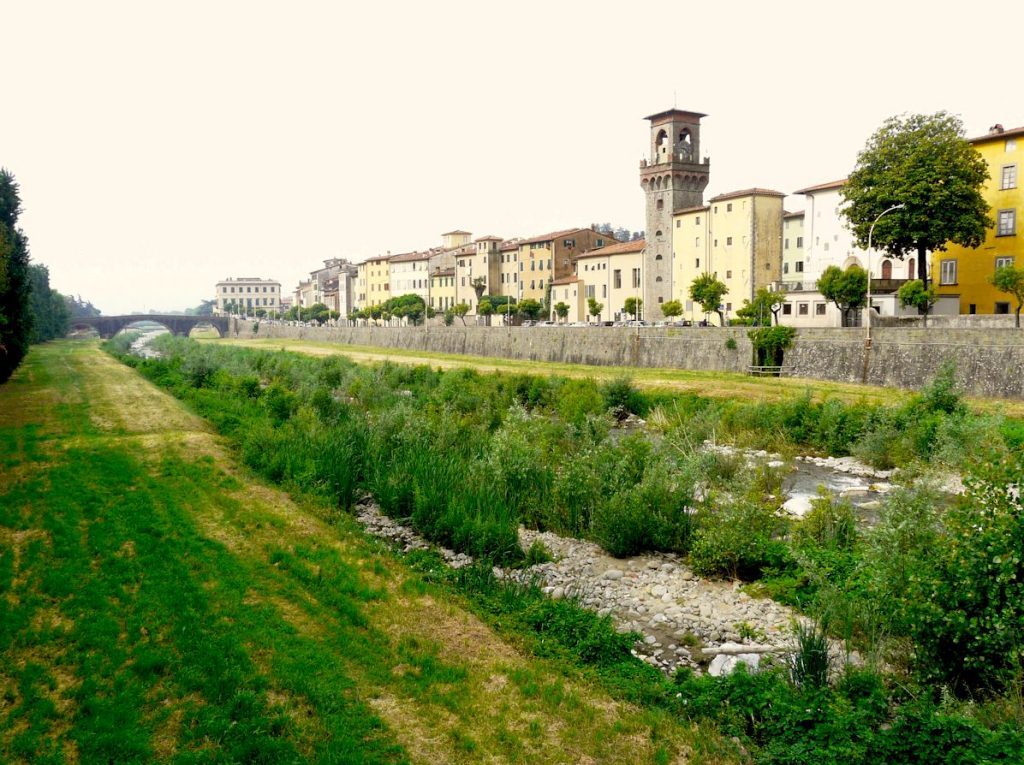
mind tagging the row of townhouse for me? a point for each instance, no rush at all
(745, 238)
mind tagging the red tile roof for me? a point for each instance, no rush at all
(457, 231)
(797, 214)
(823, 187)
(553, 235)
(565, 280)
(407, 257)
(489, 239)
(755, 192)
(618, 248)
(674, 113)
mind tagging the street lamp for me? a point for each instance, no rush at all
(867, 311)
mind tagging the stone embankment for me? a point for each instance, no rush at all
(989, 362)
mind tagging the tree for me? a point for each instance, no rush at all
(485, 307)
(1010, 280)
(760, 311)
(80, 309)
(847, 289)
(479, 284)
(50, 314)
(15, 284)
(671, 308)
(708, 291)
(460, 310)
(530, 309)
(633, 306)
(562, 310)
(914, 293)
(594, 308)
(410, 307)
(922, 162)
(205, 308)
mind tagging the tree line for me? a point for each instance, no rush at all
(31, 311)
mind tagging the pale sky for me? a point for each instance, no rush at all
(161, 147)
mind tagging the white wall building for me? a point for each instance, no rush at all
(246, 294)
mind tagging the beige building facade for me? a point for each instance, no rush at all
(246, 294)
(610, 275)
(746, 243)
(691, 256)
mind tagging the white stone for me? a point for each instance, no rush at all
(613, 573)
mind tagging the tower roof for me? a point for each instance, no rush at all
(667, 115)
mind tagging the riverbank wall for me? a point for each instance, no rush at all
(989, 362)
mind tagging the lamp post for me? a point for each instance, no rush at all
(867, 311)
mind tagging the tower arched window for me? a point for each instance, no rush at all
(658, 279)
(658, 233)
(658, 256)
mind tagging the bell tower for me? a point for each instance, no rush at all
(673, 178)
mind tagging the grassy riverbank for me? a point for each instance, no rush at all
(724, 385)
(465, 457)
(157, 603)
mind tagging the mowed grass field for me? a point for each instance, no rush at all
(711, 384)
(159, 604)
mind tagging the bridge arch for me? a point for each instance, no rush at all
(108, 326)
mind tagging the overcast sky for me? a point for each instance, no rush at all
(161, 147)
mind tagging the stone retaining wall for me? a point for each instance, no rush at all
(990, 362)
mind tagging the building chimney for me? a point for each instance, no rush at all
(995, 129)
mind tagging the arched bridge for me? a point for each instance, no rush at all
(108, 326)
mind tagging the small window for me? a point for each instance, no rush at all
(660, 204)
(678, 222)
(802, 309)
(658, 233)
(1004, 262)
(947, 272)
(785, 268)
(785, 246)
(819, 309)
(697, 221)
(1011, 144)
(658, 257)
(696, 242)
(658, 279)
(728, 241)
(1002, 308)
(1007, 223)
(697, 263)
(799, 266)
(728, 207)
(1009, 180)
(787, 309)
(728, 274)
(716, 243)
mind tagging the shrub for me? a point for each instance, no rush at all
(730, 343)
(830, 524)
(738, 540)
(621, 396)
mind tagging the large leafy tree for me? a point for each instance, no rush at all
(15, 284)
(922, 162)
(847, 289)
(1011, 281)
(708, 291)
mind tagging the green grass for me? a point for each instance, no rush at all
(159, 605)
(148, 616)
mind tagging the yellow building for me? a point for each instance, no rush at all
(378, 281)
(746, 243)
(543, 259)
(442, 289)
(568, 290)
(508, 269)
(963, 272)
(610, 275)
(691, 253)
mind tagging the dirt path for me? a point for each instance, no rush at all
(445, 686)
